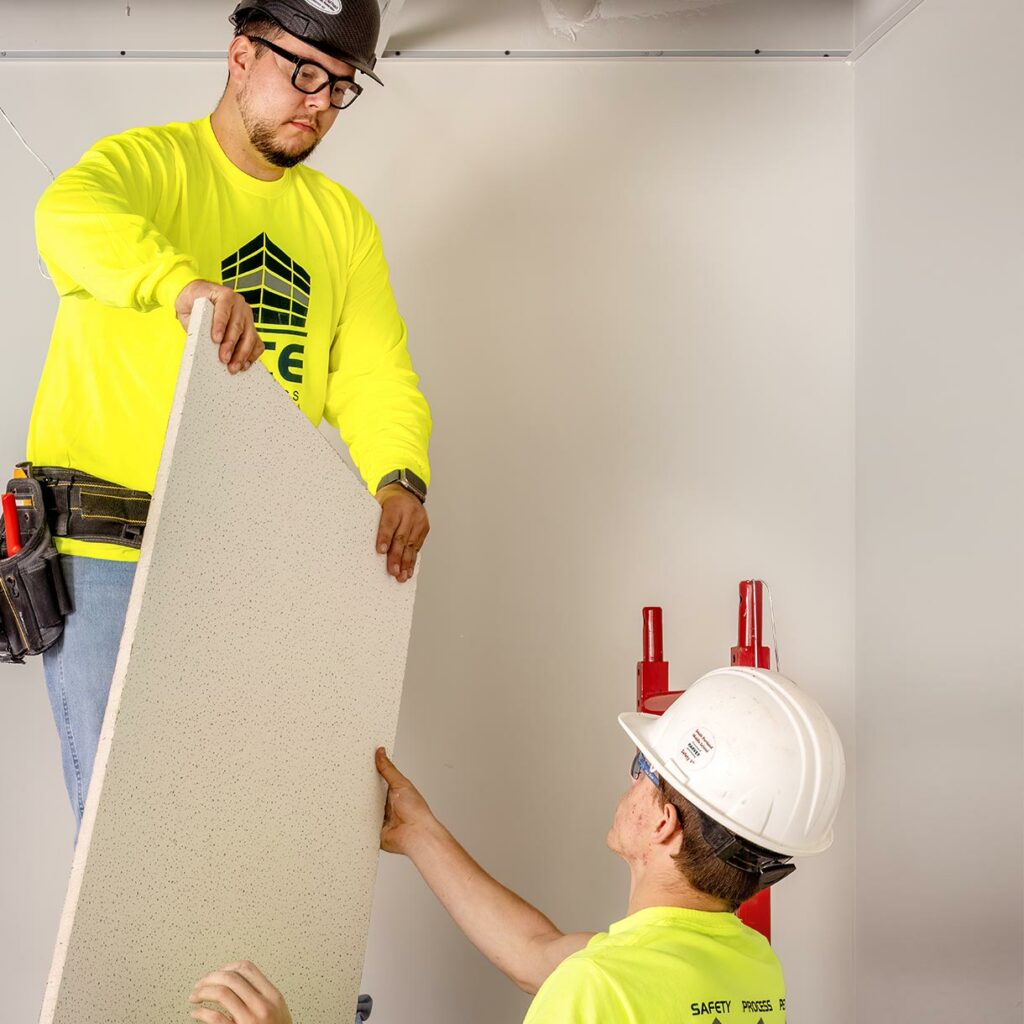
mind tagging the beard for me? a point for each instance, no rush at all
(261, 135)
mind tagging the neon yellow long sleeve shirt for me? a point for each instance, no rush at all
(145, 213)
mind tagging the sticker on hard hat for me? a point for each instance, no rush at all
(327, 6)
(698, 750)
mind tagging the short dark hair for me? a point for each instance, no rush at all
(697, 861)
(253, 23)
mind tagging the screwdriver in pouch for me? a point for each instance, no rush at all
(11, 528)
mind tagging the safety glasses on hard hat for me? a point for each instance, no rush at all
(310, 77)
(641, 764)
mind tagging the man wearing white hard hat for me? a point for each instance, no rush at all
(744, 772)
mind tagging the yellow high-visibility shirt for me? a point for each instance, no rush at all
(666, 965)
(145, 213)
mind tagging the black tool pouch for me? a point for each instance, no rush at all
(33, 595)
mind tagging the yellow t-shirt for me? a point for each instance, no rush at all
(145, 213)
(667, 965)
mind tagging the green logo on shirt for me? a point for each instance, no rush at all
(278, 290)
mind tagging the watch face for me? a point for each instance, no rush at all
(413, 483)
(417, 484)
(408, 479)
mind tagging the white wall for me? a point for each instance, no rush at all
(629, 290)
(637, 308)
(940, 160)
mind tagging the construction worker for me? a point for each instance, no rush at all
(741, 774)
(221, 208)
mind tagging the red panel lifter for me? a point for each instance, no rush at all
(654, 697)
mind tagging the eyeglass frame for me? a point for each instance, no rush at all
(332, 80)
(641, 764)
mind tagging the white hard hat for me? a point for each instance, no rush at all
(754, 752)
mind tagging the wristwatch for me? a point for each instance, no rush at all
(408, 479)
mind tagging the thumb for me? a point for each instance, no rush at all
(391, 775)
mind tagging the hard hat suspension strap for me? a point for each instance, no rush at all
(744, 855)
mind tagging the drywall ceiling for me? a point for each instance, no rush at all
(495, 25)
(625, 24)
(870, 15)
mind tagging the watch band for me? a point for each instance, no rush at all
(408, 479)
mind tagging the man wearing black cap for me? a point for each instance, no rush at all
(222, 208)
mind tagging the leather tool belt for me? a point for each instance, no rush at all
(56, 502)
(84, 507)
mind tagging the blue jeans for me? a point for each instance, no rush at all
(80, 666)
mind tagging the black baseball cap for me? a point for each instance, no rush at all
(344, 29)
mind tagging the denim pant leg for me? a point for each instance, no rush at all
(80, 666)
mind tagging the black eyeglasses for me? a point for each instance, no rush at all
(310, 77)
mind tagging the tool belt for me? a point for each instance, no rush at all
(84, 507)
(56, 502)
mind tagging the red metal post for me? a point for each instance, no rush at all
(756, 912)
(654, 697)
(749, 650)
(652, 692)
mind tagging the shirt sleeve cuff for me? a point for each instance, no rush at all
(168, 290)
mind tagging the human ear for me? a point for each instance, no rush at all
(669, 825)
(241, 56)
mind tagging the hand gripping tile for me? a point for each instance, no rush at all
(235, 810)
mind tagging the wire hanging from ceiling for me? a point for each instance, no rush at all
(49, 171)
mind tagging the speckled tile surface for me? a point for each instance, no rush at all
(238, 813)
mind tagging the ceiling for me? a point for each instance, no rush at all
(455, 24)
(624, 24)
(469, 25)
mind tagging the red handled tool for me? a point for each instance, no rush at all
(654, 697)
(11, 527)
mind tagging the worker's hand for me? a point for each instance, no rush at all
(233, 327)
(241, 994)
(407, 817)
(403, 529)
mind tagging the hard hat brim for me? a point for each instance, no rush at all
(347, 58)
(640, 728)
